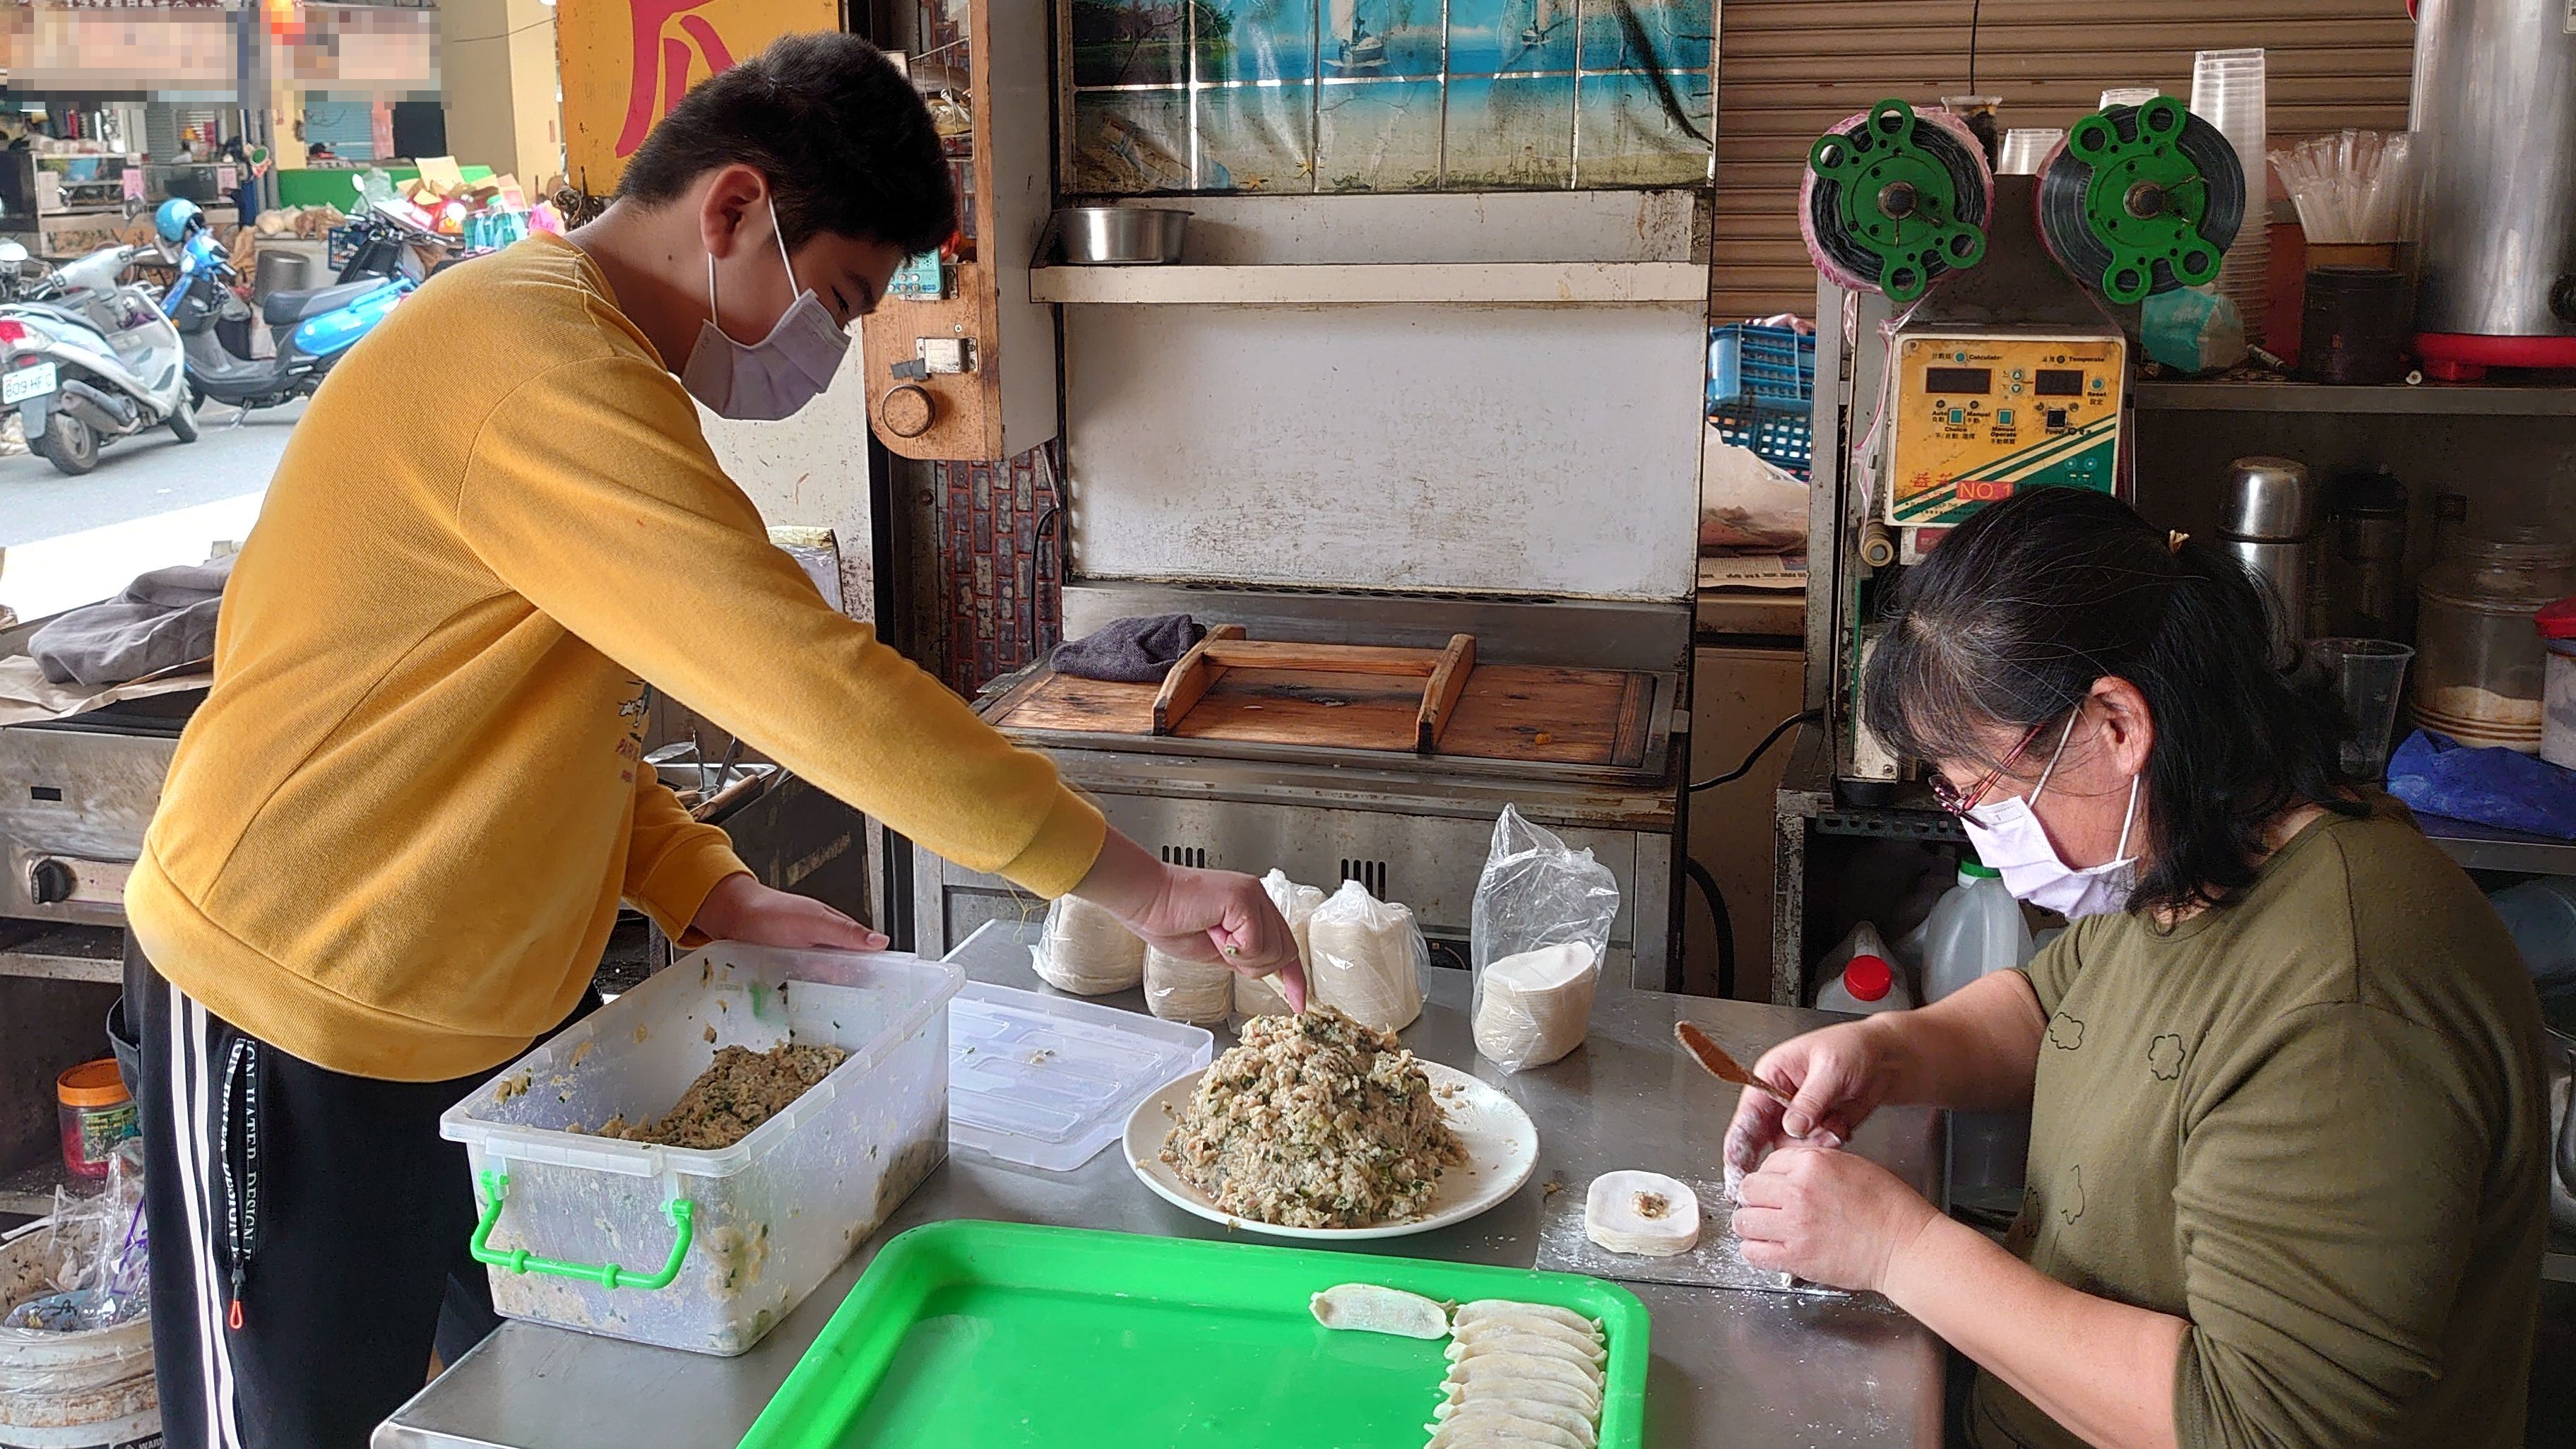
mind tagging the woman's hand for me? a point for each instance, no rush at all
(1829, 1217)
(1838, 1075)
(740, 908)
(1196, 915)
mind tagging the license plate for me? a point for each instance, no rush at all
(27, 382)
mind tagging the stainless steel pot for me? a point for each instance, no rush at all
(1114, 236)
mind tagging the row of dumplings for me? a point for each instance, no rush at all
(1521, 1376)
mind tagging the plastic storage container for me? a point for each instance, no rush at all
(1976, 928)
(2557, 627)
(1761, 391)
(707, 1250)
(1045, 1082)
(2479, 675)
(95, 1114)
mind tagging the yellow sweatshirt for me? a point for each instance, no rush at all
(396, 834)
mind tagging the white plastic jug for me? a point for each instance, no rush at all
(1862, 976)
(1975, 928)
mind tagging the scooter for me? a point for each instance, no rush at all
(389, 244)
(315, 329)
(84, 360)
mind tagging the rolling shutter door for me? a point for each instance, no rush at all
(1788, 69)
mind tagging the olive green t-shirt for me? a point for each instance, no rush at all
(2311, 1123)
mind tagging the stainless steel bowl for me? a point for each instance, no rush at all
(1117, 236)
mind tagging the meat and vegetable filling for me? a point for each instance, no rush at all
(741, 1090)
(1315, 1121)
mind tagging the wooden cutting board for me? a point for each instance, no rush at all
(1534, 713)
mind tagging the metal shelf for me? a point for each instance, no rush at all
(1552, 284)
(66, 953)
(2452, 398)
(29, 1192)
(2481, 847)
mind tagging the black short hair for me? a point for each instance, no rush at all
(2011, 620)
(843, 138)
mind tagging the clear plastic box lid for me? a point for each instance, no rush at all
(1047, 1081)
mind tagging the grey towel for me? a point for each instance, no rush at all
(1131, 651)
(164, 618)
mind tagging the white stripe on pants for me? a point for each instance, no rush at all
(193, 1114)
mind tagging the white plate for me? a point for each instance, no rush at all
(1501, 1143)
(23, 383)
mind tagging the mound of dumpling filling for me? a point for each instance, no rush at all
(740, 1090)
(1315, 1121)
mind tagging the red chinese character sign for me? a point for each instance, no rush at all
(626, 63)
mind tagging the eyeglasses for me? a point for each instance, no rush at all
(1960, 802)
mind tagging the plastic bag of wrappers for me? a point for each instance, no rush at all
(75, 1336)
(1540, 928)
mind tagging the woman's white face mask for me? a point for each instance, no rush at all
(2009, 838)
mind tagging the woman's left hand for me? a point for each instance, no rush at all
(740, 908)
(1829, 1216)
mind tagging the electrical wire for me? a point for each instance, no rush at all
(1804, 716)
(1725, 925)
(1976, 11)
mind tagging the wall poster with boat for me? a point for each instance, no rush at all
(1388, 95)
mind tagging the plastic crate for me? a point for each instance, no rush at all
(740, 1234)
(1765, 369)
(1784, 440)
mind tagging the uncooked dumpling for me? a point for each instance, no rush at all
(1501, 1431)
(1528, 1325)
(1643, 1213)
(1571, 1420)
(1471, 1314)
(1528, 1344)
(1372, 1308)
(1507, 1369)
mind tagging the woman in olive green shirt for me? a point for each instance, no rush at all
(2287, 1173)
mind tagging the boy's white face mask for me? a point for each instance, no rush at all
(2009, 837)
(771, 378)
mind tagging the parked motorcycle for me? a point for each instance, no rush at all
(86, 359)
(314, 329)
(388, 244)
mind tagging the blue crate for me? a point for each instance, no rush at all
(1784, 440)
(1769, 369)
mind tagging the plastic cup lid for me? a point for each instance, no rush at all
(1868, 978)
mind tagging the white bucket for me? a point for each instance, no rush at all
(70, 1390)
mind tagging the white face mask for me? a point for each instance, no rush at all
(775, 376)
(2009, 837)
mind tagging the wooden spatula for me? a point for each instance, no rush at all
(1719, 1064)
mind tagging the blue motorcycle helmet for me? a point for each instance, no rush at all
(177, 218)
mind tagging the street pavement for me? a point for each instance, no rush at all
(144, 476)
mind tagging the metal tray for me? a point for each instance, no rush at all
(994, 1335)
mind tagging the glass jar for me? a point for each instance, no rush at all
(2479, 665)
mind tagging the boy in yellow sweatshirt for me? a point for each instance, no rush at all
(396, 834)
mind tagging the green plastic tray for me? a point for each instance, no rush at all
(986, 1335)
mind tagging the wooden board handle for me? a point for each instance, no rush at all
(1440, 695)
(1189, 679)
(1326, 658)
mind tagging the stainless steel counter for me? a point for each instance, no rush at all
(1741, 1369)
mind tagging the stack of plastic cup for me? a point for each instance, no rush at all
(2227, 91)
(2128, 96)
(2025, 150)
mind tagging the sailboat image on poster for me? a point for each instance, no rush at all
(1544, 17)
(1359, 51)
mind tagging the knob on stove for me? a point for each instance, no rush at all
(51, 882)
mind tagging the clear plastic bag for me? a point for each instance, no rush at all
(1198, 992)
(1367, 958)
(75, 1334)
(1540, 926)
(1260, 995)
(1085, 950)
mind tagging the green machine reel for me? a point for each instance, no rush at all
(2141, 200)
(1892, 200)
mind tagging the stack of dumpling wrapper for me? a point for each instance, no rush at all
(1200, 992)
(1366, 957)
(1535, 1007)
(1260, 995)
(1086, 951)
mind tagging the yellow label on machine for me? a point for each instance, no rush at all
(1980, 416)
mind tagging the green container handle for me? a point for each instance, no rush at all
(683, 1214)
